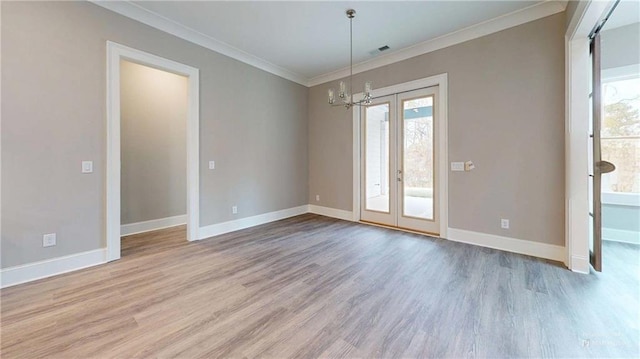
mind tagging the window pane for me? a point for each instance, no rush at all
(624, 153)
(621, 107)
(418, 157)
(620, 141)
(377, 158)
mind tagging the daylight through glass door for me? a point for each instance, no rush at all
(417, 187)
(399, 161)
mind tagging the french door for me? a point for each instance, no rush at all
(399, 161)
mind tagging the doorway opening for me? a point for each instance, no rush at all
(400, 157)
(399, 161)
(152, 145)
(153, 123)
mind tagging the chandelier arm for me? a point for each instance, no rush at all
(362, 103)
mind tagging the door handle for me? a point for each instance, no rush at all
(605, 167)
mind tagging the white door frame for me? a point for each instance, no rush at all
(438, 80)
(577, 70)
(115, 53)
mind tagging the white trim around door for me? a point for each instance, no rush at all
(115, 53)
(442, 174)
(577, 70)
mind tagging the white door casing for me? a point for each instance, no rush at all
(441, 148)
(586, 16)
(116, 53)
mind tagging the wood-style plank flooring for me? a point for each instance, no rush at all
(311, 286)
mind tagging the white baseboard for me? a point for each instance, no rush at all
(47, 268)
(541, 250)
(152, 225)
(620, 235)
(242, 223)
(331, 212)
(580, 264)
(33, 271)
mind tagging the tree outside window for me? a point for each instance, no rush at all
(620, 139)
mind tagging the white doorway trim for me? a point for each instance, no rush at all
(438, 80)
(115, 53)
(577, 67)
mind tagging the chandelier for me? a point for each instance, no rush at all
(347, 97)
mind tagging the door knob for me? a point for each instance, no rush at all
(605, 167)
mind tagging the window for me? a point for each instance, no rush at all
(620, 139)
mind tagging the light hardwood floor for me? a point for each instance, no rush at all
(312, 286)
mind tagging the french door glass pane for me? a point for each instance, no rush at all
(377, 158)
(417, 162)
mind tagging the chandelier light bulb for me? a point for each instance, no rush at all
(343, 90)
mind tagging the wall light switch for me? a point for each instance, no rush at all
(234, 209)
(457, 166)
(87, 166)
(212, 165)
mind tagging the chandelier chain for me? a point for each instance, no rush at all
(351, 59)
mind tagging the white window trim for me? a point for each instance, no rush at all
(621, 73)
(621, 198)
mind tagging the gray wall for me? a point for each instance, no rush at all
(506, 114)
(254, 124)
(153, 140)
(620, 46)
(572, 6)
(626, 218)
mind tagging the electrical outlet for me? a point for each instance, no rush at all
(504, 223)
(468, 166)
(234, 209)
(317, 198)
(212, 165)
(49, 240)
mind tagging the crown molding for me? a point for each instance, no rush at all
(147, 17)
(519, 17)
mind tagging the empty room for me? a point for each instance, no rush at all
(306, 179)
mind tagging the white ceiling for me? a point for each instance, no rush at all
(311, 38)
(308, 41)
(626, 13)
